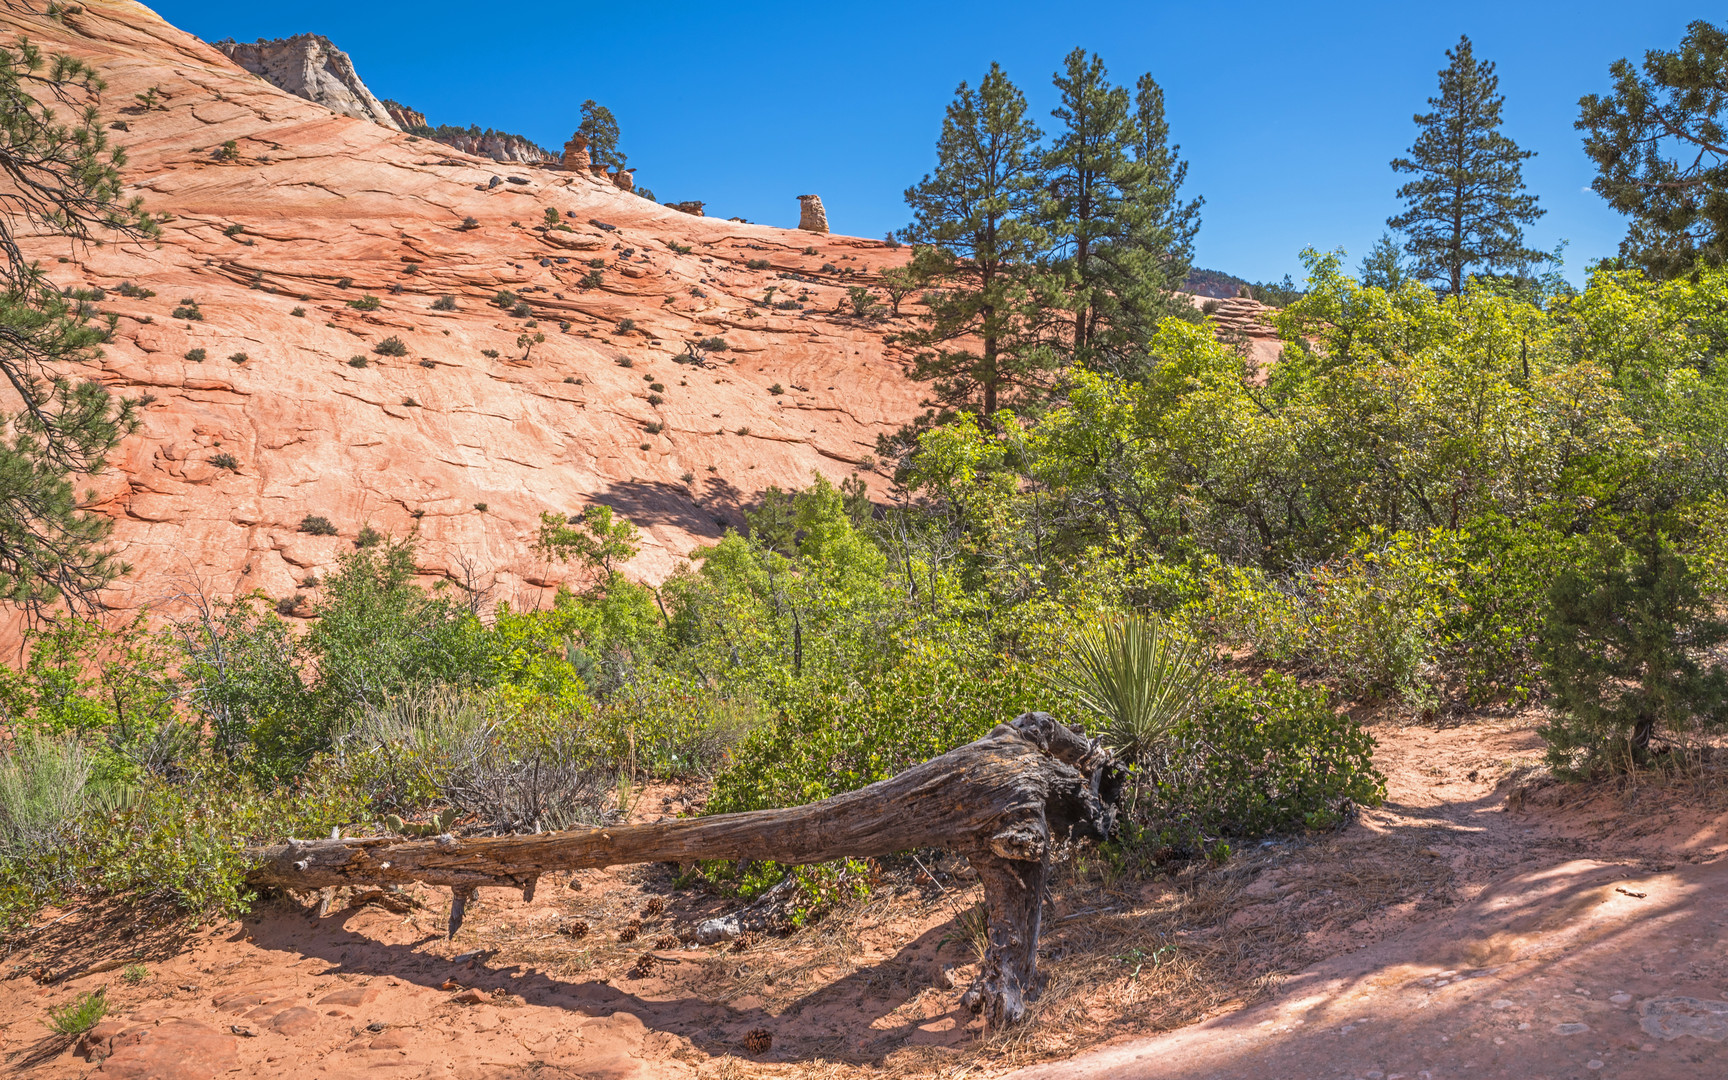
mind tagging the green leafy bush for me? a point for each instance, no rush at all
(444, 303)
(367, 302)
(317, 525)
(225, 460)
(391, 346)
(834, 734)
(196, 356)
(1260, 758)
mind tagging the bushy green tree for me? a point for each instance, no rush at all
(1467, 208)
(977, 244)
(1122, 238)
(1661, 154)
(61, 177)
(601, 129)
(1625, 649)
(1384, 267)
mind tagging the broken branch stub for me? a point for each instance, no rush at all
(1006, 801)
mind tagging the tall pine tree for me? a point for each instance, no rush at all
(1466, 208)
(1661, 151)
(977, 245)
(1123, 240)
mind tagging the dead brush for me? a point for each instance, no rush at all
(971, 929)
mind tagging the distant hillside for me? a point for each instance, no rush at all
(1213, 283)
(1217, 285)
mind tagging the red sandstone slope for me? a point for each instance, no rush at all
(418, 442)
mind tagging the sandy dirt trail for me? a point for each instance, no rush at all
(1590, 944)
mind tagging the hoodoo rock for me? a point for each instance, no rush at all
(811, 216)
(694, 207)
(576, 157)
(311, 67)
(625, 179)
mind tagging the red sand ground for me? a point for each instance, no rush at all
(1577, 935)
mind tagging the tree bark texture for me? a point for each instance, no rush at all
(1008, 801)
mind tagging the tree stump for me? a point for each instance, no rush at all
(1009, 802)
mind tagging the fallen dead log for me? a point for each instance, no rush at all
(1008, 802)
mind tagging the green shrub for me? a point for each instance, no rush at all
(1260, 758)
(225, 460)
(239, 357)
(625, 326)
(80, 1014)
(358, 361)
(838, 734)
(369, 537)
(179, 844)
(490, 354)
(521, 310)
(234, 230)
(188, 309)
(1491, 634)
(391, 346)
(776, 390)
(42, 780)
(317, 525)
(368, 302)
(298, 313)
(712, 344)
(1372, 618)
(756, 264)
(1628, 650)
(444, 303)
(196, 355)
(505, 299)
(593, 279)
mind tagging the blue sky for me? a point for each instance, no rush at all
(1288, 112)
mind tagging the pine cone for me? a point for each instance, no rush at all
(758, 1041)
(645, 965)
(654, 908)
(744, 942)
(630, 931)
(577, 929)
(666, 941)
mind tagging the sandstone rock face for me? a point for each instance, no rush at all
(1247, 324)
(625, 179)
(460, 448)
(407, 119)
(811, 216)
(309, 66)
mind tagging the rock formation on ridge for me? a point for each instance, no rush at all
(310, 66)
(811, 216)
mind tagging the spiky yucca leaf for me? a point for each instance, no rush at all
(1136, 676)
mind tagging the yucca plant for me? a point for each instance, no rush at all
(1137, 676)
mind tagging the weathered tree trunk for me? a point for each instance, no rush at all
(1006, 801)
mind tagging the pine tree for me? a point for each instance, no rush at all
(977, 242)
(1384, 267)
(601, 129)
(1621, 648)
(1163, 227)
(1124, 242)
(1679, 105)
(60, 177)
(1466, 208)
